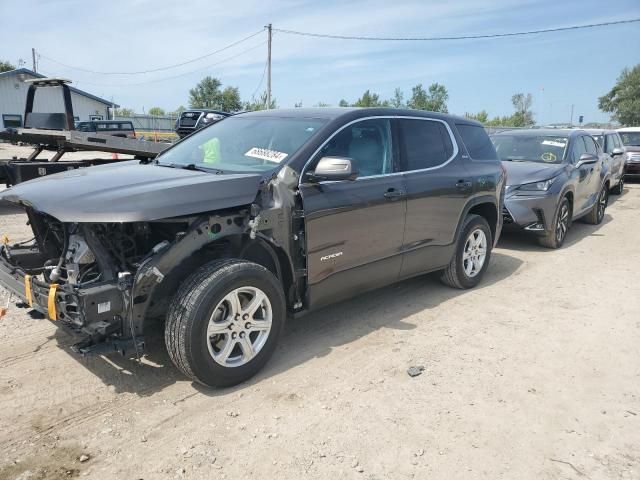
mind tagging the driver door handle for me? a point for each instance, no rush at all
(393, 194)
(464, 185)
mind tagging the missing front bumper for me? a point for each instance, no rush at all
(96, 311)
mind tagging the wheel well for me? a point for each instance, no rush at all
(489, 212)
(234, 246)
(569, 196)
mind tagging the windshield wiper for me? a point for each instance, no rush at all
(189, 166)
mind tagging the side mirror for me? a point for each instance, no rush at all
(334, 168)
(586, 159)
(617, 151)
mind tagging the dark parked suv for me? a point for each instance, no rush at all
(554, 177)
(195, 119)
(264, 215)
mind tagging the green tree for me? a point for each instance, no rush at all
(343, 103)
(369, 99)
(259, 103)
(177, 111)
(623, 100)
(523, 116)
(124, 112)
(398, 98)
(434, 100)
(6, 66)
(322, 105)
(482, 116)
(230, 99)
(207, 94)
(156, 111)
(298, 104)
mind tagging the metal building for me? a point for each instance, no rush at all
(13, 94)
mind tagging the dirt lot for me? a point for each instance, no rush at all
(534, 375)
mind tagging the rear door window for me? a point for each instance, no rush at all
(424, 144)
(477, 141)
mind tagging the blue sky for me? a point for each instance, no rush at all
(558, 69)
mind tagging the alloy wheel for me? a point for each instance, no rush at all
(602, 204)
(563, 223)
(475, 253)
(239, 326)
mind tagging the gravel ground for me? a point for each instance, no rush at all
(533, 375)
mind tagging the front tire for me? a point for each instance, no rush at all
(472, 254)
(561, 222)
(224, 322)
(596, 214)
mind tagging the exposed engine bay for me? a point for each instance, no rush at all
(104, 279)
(91, 267)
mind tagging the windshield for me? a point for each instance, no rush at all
(531, 148)
(242, 144)
(630, 138)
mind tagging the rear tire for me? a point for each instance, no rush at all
(596, 214)
(224, 322)
(472, 254)
(561, 223)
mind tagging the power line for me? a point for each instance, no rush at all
(462, 37)
(227, 59)
(264, 71)
(168, 67)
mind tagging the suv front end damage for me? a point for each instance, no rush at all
(82, 275)
(102, 280)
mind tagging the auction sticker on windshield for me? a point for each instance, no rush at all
(554, 143)
(266, 154)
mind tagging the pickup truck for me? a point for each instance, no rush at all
(262, 217)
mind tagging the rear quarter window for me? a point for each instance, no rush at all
(477, 141)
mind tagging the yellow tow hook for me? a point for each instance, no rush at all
(51, 304)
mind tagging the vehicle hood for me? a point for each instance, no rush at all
(519, 173)
(132, 192)
(632, 148)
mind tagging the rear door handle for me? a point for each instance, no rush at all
(393, 194)
(463, 185)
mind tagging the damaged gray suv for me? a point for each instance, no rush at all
(258, 217)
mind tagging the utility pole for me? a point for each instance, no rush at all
(571, 121)
(33, 57)
(269, 66)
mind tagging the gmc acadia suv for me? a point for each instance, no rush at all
(263, 216)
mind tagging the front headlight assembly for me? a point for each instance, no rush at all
(212, 117)
(538, 186)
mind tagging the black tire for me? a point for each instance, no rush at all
(193, 305)
(454, 275)
(556, 237)
(619, 188)
(596, 214)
